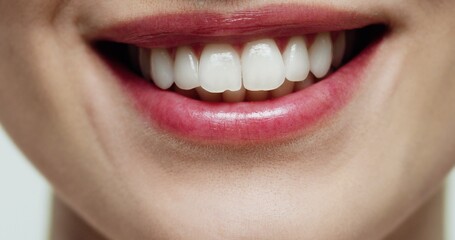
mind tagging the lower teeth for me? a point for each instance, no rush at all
(244, 95)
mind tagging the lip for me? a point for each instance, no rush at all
(237, 123)
(276, 20)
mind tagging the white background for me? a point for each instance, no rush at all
(25, 198)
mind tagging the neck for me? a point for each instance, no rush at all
(66, 225)
(426, 223)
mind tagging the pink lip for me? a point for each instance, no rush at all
(249, 121)
(168, 30)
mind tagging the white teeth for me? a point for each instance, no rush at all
(321, 55)
(220, 68)
(262, 66)
(162, 68)
(186, 69)
(339, 47)
(261, 73)
(296, 61)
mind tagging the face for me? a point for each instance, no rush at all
(134, 162)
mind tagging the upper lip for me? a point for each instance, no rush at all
(170, 30)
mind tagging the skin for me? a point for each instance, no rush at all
(372, 172)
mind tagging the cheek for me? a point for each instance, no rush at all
(403, 148)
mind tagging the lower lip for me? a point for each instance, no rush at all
(236, 123)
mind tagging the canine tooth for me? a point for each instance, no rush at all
(321, 55)
(186, 69)
(144, 62)
(296, 60)
(262, 65)
(220, 68)
(234, 96)
(339, 48)
(253, 96)
(162, 68)
(209, 96)
(286, 88)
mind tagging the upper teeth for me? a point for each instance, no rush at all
(296, 60)
(162, 69)
(321, 55)
(220, 68)
(186, 68)
(260, 66)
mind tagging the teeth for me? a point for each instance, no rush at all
(339, 48)
(296, 61)
(162, 68)
(220, 68)
(262, 72)
(186, 69)
(321, 55)
(262, 66)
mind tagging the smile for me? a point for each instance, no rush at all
(257, 75)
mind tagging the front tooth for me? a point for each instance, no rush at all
(186, 69)
(262, 66)
(339, 47)
(296, 61)
(220, 68)
(321, 55)
(162, 68)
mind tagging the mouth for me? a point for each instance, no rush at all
(252, 76)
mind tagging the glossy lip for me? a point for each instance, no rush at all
(238, 123)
